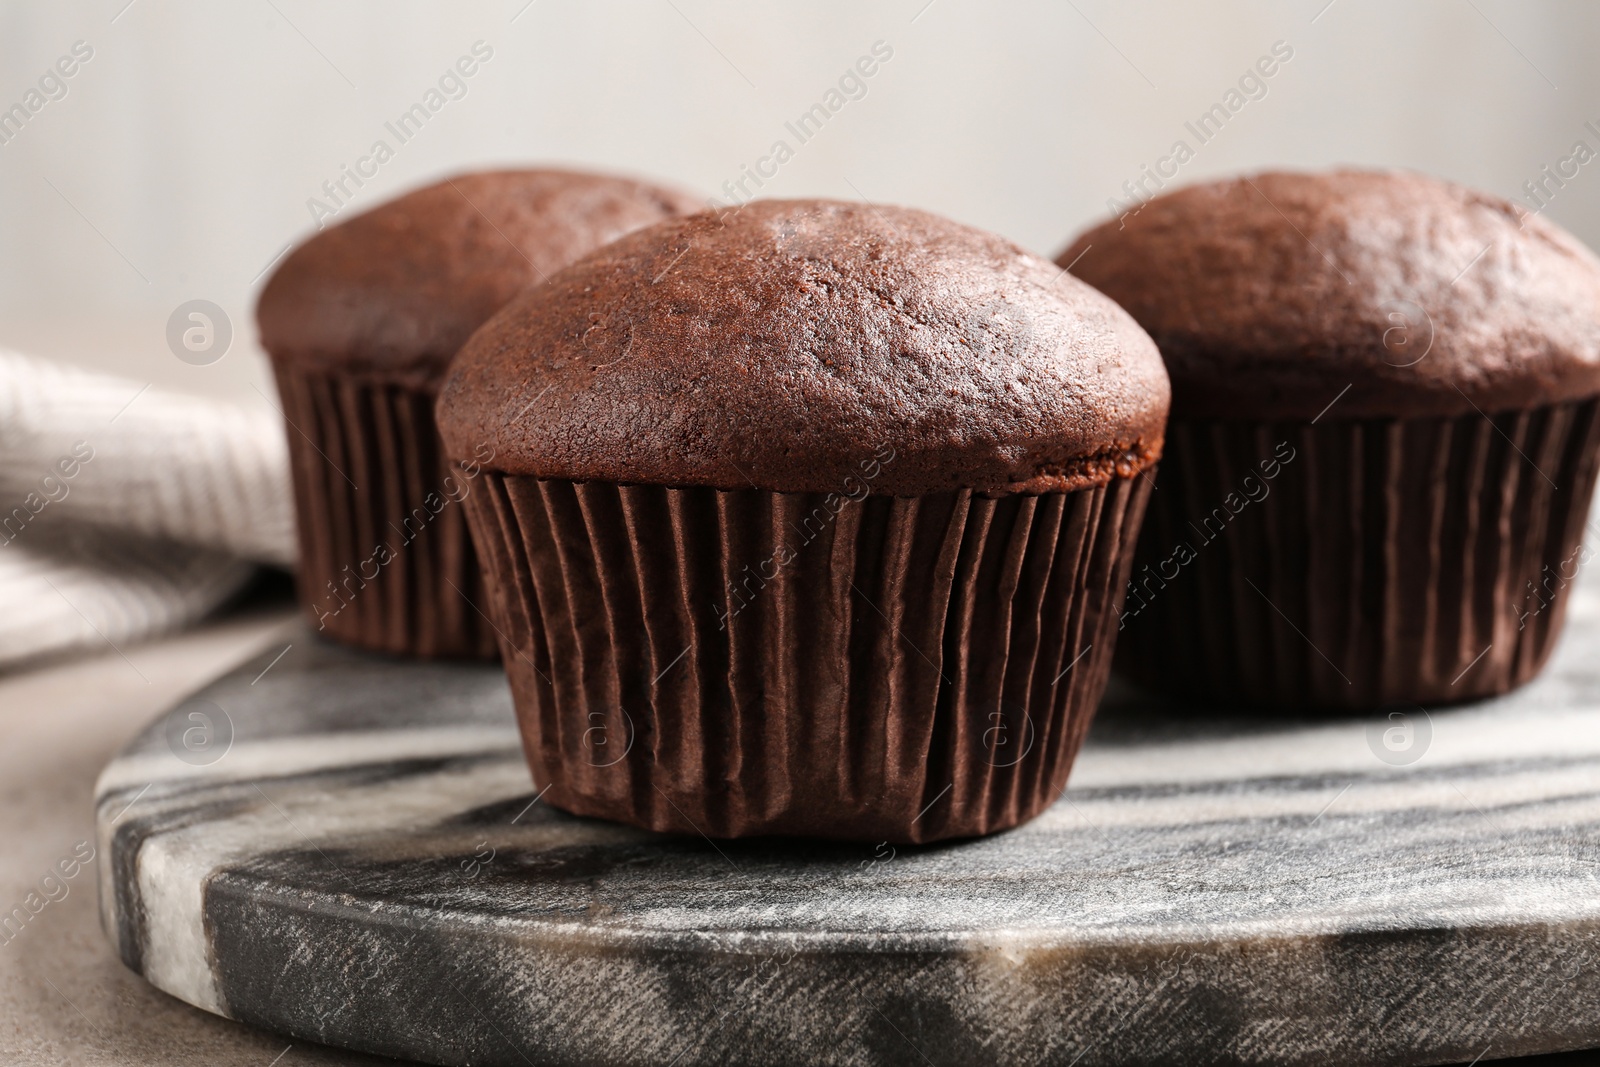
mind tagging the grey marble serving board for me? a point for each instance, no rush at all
(349, 849)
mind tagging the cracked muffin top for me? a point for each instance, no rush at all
(393, 293)
(1399, 294)
(786, 344)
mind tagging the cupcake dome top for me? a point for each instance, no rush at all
(794, 345)
(391, 294)
(1270, 294)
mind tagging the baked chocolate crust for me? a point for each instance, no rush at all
(1269, 295)
(391, 294)
(783, 345)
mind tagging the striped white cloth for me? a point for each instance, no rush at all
(126, 511)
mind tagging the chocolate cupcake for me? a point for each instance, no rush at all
(807, 518)
(361, 322)
(1383, 441)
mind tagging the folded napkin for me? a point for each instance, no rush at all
(127, 511)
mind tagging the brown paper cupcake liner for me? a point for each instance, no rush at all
(1394, 562)
(386, 562)
(750, 662)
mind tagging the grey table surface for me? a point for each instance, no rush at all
(65, 997)
(364, 862)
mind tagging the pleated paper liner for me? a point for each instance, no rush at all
(740, 663)
(1391, 562)
(386, 562)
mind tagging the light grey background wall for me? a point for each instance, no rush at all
(180, 160)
